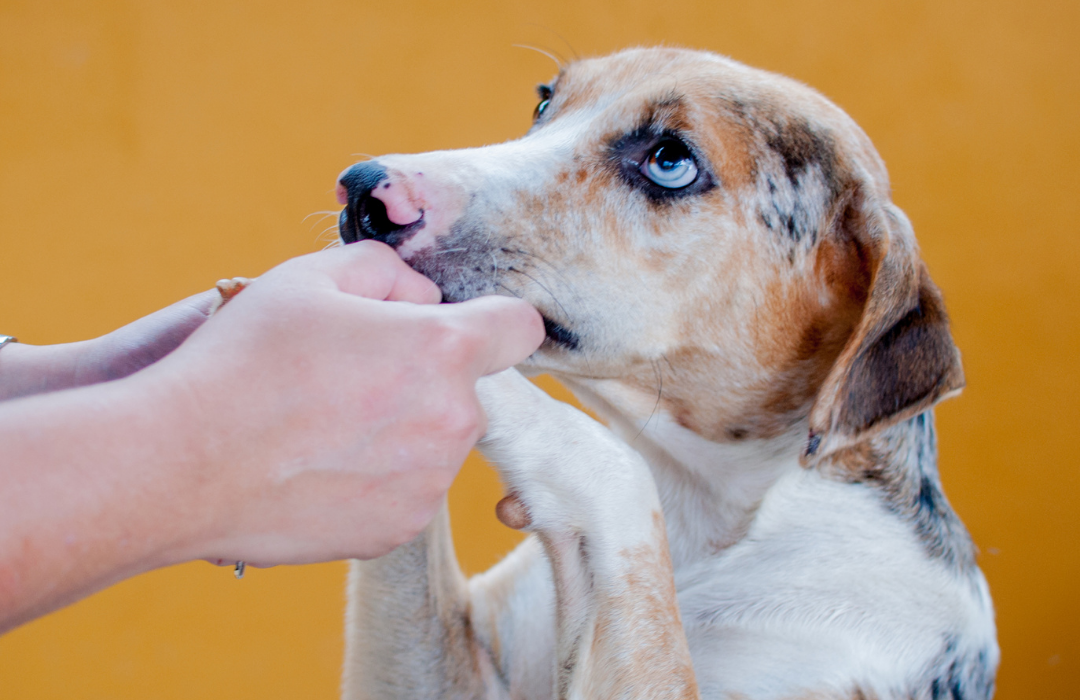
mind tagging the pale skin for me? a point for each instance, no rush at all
(322, 414)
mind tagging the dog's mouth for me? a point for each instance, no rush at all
(559, 335)
(366, 219)
(464, 271)
(454, 269)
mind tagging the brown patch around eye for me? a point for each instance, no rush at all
(727, 141)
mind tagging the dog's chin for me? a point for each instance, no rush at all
(464, 273)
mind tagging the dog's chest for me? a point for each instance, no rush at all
(821, 576)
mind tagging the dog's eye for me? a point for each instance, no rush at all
(545, 92)
(670, 165)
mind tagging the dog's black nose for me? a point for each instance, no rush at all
(364, 216)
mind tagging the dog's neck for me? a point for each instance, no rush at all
(709, 491)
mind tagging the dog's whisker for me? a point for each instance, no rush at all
(549, 30)
(322, 214)
(328, 234)
(566, 314)
(563, 280)
(325, 233)
(511, 291)
(558, 62)
(659, 393)
(494, 268)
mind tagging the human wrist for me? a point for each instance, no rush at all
(163, 466)
(187, 476)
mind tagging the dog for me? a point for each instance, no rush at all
(727, 284)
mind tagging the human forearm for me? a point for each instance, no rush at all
(96, 487)
(26, 370)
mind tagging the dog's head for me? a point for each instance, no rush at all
(702, 238)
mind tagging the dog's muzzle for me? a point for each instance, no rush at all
(364, 216)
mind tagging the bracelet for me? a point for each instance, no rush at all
(5, 339)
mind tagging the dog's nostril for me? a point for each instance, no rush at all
(377, 219)
(366, 216)
(347, 227)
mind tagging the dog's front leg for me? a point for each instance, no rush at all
(408, 632)
(592, 501)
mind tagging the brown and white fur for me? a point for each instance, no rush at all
(762, 515)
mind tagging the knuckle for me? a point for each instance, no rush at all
(454, 342)
(461, 424)
(460, 420)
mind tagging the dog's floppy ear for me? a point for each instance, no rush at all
(900, 360)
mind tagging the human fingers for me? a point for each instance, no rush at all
(188, 314)
(368, 269)
(179, 320)
(506, 331)
(145, 341)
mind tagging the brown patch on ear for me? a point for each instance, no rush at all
(901, 358)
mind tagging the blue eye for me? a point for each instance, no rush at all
(540, 108)
(670, 165)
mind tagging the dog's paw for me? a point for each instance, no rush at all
(561, 468)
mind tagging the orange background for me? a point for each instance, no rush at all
(148, 149)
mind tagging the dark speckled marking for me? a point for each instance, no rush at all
(800, 148)
(801, 151)
(902, 465)
(959, 675)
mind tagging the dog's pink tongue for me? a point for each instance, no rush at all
(399, 206)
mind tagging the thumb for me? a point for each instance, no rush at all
(372, 270)
(510, 328)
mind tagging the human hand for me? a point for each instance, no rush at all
(332, 403)
(26, 370)
(143, 342)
